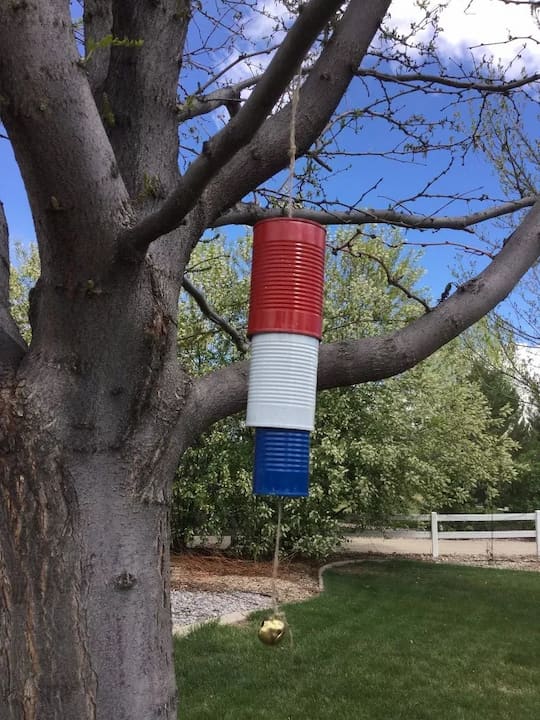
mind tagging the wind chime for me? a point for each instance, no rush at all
(285, 327)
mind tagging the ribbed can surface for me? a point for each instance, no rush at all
(281, 462)
(287, 277)
(282, 381)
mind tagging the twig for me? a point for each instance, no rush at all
(488, 87)
(207, 310)
(391, 279)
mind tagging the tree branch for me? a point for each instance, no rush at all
(197, 106)
(12, 346)
(238, 59)
(239, 131)
(483, 87)
(203, 104)
(140, 94)
(98, 22)
(209, 312)
(49, 113)
(224, 392)
(391, 279)
(250, 213)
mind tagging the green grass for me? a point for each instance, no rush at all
(398, 640)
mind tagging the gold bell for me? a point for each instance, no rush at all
(272, 630)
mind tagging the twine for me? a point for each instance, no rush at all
(275, 599)
(292, 143)
(290, 188)
(275, 568)
(295, 87)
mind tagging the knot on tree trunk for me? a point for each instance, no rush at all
(125, 581)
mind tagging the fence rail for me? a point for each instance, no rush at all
(437, 534)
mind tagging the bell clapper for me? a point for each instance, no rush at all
(272, 630)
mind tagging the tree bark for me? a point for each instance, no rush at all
(86, 629)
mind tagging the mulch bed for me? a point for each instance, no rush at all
(218, 572)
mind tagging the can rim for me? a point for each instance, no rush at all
(283, 218)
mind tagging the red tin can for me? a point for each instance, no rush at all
(287, 277)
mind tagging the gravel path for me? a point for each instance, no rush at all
(394, 544)
(190, 607)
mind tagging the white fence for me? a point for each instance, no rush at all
(490, 534)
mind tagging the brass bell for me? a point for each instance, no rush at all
(272, 630)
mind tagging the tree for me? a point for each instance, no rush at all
(523, 425)
(97, 410)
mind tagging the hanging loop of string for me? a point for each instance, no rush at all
(295, 92)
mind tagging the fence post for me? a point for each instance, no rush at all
(537, 528)
(435, 535)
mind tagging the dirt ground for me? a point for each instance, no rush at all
(216, 572)
(298, 581)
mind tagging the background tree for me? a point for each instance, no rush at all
(507, 394)
(97, 410)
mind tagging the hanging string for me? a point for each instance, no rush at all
(275, 568)
(295, 88)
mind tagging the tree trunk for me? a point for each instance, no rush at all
(87, 455)
(84, 597)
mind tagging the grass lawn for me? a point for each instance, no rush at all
(393, 640)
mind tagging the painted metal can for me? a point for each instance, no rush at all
(287, 277)
(282, 381)
(281, 462)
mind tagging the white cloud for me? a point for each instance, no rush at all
(261, 23)
(467, 24)
(261, 29)
(469, 28)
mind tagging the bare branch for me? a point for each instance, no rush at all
(40, 61)
(374, 358)
(448, 81)
(250, 213)
(241, 58)
(240, 130)
(202, 104)
(207, 103)
(533, 5)
(208, 311)
(391, 279)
